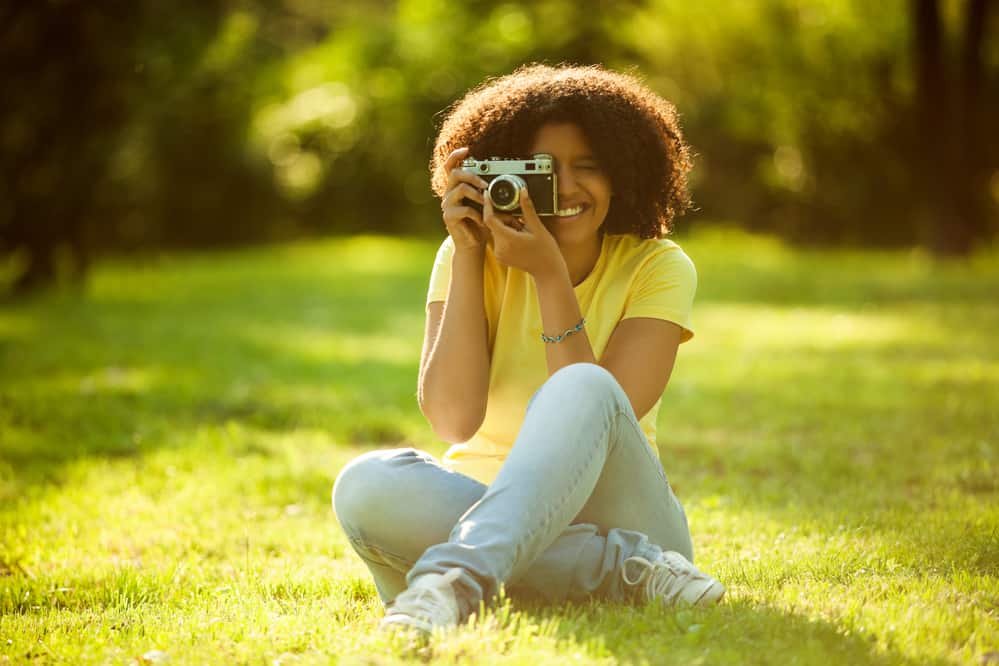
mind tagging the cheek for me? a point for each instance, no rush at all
(603, 186)
(600, 188)
(605, 195)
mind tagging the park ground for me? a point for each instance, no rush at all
(169, 436)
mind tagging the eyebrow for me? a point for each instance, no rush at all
(585, 157)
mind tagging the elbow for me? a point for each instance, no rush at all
(455, 430)
(453, 435)
(453, 426)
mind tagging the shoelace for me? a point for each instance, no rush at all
(663, 582)
(430, 602)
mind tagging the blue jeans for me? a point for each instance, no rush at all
(580, 492)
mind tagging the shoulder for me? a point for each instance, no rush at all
(648, 258)
(494, 270)
(446, 248)
(442, 260)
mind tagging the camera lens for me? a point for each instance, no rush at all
(503, 194)
(504, 191)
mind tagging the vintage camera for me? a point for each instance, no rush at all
(507, 178)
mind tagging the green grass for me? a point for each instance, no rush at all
(168, 440)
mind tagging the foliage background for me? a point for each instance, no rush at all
(143, 126)
(169, 433)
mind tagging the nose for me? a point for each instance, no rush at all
(567, 184)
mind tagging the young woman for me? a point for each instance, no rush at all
(549, 342)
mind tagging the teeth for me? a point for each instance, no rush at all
(569, 212)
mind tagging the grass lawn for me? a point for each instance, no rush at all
(169, 438)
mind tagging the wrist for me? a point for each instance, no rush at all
(552, 275)
(469, 253)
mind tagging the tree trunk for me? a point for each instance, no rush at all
(953, 176)
(972, 172)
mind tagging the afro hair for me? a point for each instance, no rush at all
(633, 132)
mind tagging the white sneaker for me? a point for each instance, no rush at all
(673, 579)
(427, 604)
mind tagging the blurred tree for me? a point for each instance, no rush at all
(950, 126)
(810, 119)
(213, 122)
(72, 78)
(63, 104)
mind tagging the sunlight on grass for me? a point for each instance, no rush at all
(774, 328)
(313, 344)
(168, 447)
(109, 380)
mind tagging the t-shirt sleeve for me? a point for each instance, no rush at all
(440, 275)
(664, 289)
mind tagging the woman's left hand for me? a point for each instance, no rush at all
(523, 242)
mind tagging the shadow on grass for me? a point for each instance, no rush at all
(130, 368)
(736, 631)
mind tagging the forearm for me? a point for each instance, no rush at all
(455, 380)
(559, 312)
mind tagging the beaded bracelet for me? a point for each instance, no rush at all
(558, 338)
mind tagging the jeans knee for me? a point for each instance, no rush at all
(584, 372)
(360, 489)
(590, 376)
(585, 385)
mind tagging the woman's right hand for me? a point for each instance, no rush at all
(463, 222)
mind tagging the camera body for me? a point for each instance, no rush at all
(507, 178)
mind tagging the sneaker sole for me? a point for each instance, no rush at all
(404, 622)
(711, 595)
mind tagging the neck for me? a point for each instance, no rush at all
(580, 259)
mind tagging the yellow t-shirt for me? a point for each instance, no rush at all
(632, 278)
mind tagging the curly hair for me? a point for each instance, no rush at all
(634, 133)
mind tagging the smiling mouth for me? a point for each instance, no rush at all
(571, 212)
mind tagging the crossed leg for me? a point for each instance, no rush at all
(580, 492)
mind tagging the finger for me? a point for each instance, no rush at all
(529, 213)
(458, 213)
(453, 162)
(455, 157)
(460, 192)
(455, 172)
(511, 221)
(461, 175)
(499, 222)
(489, 217)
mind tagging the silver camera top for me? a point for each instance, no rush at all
(540, 163)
